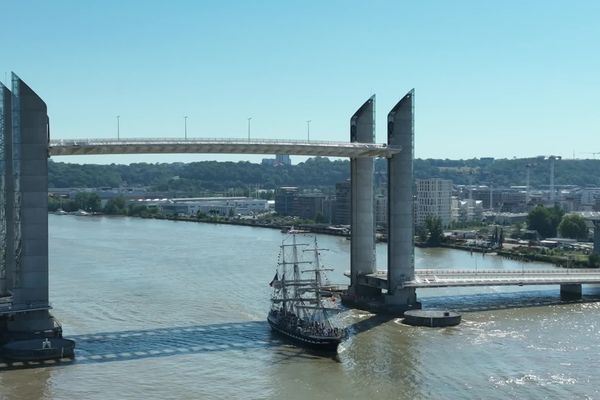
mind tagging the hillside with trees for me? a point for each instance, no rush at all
(316, 172)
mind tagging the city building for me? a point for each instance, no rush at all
(434, 198)
(381, 214)
(284, 200)
(279, 160)
(590, 197)
(309, 206)
(343, 205)
(513, 200)
(467, 211)
(283, 159)
(223, 206)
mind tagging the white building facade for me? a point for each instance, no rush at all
(434, 198)
(224, 206)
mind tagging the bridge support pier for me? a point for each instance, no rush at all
(570, 291)
(596, 236)
(362, 254)
(25, 207)
(401, 247)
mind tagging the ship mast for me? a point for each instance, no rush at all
(295, 260)
(284, 293)
(318, 278)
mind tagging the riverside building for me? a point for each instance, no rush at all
(434, 198)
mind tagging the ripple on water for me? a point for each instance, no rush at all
(176, 310)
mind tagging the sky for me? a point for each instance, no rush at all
(492, 79)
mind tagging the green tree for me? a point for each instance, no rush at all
(594, 260)
(320, 219)
(573, 226)
(544, 220)
(137, 210)
(88, 201)
(434, 227)
(421, 232)
(117, 205)
(53, 203)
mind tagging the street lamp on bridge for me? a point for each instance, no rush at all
(185, 126)
(249, 118)
(308, 129)
(118, 128)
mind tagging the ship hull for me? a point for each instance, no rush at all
(316, 343)
(33, 350)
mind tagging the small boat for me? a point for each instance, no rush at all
(291, 230)
(38, 349)
(298, 311)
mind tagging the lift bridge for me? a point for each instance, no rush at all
(25, 147)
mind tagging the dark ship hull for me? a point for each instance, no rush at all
(328, 344)
(38, 350)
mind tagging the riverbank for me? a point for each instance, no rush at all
(524, 254)
(283, 227)
(518, 253)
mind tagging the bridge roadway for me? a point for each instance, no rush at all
(432, 278)
(70, 147)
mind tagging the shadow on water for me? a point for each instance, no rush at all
(162, 342)
(504, 301)
(242, 336)
(117, 346)
(367, 324)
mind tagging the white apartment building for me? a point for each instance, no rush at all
(434, 198)
(216, 206)
(468, 210)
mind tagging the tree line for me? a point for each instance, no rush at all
(317, 172)
(548, 221)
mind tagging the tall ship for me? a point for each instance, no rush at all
(299, 308)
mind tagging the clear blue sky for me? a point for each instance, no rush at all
(501, 79)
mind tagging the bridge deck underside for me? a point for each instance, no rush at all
(220, 146)
(431, 278)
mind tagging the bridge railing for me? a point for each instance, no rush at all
(75, 142)
(510, 272)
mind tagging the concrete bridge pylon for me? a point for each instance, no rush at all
(362, 254)
(401, 247)
(24, 202)
(394, 297)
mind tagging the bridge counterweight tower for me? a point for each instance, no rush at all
(401, 263)
(25, 209)
(362, 254)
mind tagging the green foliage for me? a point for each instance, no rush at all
(320, 219)
(544, 220)
(137, 210)
(515, 231)
(202, 176)
(88, 201)
(435, 230)
(54, 203)
(421, 233)
(201, 215)
(508, 172)
(594, 260)
(573, 226)
(314, 172)
(116, 206)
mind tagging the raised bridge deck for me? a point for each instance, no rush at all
(70, 147)
(432, 278)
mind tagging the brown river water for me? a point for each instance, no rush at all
(176, 310)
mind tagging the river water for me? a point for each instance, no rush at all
(176, 310)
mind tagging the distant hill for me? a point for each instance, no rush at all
(315, 172)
